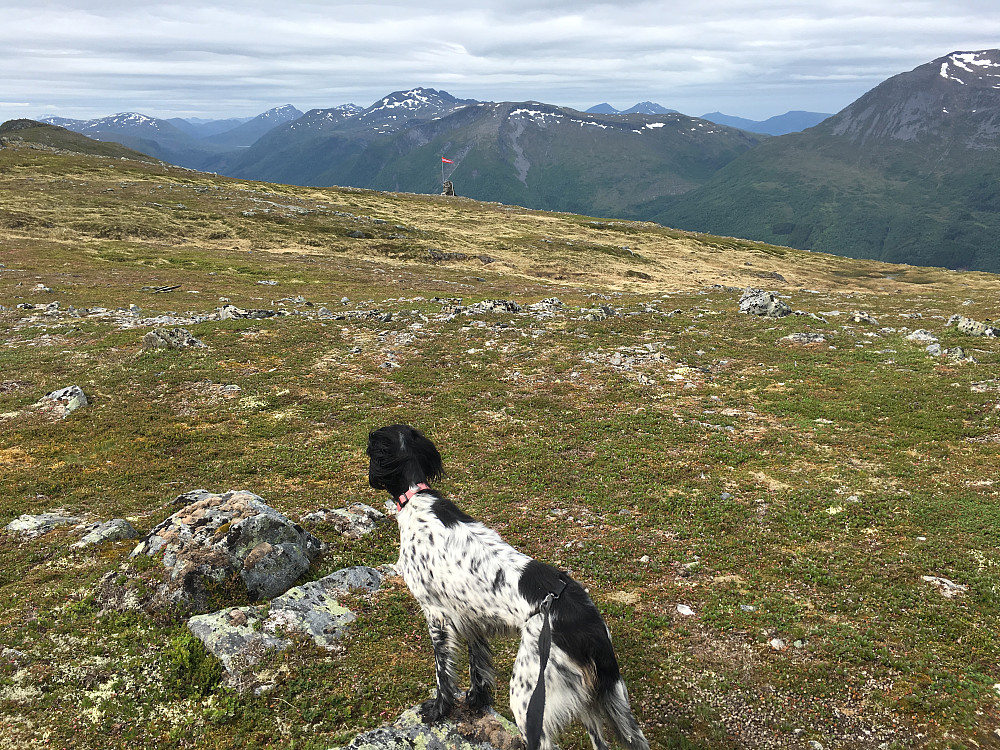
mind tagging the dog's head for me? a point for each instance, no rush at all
(401, 457)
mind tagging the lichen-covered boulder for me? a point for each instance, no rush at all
(353, 522)
(461, 731)
(171, 338)
(42, 523)
(763, 303)
(971, 327)
(63, 402)
(240, 636)
(232, 543)
(111, 531)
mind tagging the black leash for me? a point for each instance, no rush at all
(536, 705)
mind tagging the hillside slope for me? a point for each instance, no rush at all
(788, 524)
(908, 173)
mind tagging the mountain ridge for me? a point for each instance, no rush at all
(908, 173)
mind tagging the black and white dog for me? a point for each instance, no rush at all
(472, 585)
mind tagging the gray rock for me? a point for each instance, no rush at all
(957, 354)
(240, 636)
(934, 350)
(922, 336)
(111, 531)
(494, 306)
(171, 338)
(460, 731)
(63, 402)
(234, 544)
(354, 521)
(804, 339)
(763, 303)
(859, 316)
(42, 523)
(603, 312)
(971, 327)
(232, 312)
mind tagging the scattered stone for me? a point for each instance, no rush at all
(922, 336)
(859, 316)
(268, 282)
(493, 306)
(777, 644)
(32, 526)
(231, 312)
(171, 338)
(804, 339)
(957, 354)
(240, 636)
(971, 327)
(63, 402)
(934, 350)
(603, 312)
(985, 386)
(111, 531)
(353, 522)
(948, 589)
(763, 303)
(460, 731)
(232, 545)
(441, 255)
(685, 610)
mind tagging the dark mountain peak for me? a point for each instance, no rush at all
(648, 108)
(280, 114)
(603, 109)
(64, 122)
(395, 110)
(418, 100)
(954, 100)
(971, 68)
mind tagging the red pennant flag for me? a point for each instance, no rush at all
(446, 161)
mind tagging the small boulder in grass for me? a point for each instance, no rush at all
(114, 530)
(218, 548)
(31, 526)
(171, 338)
(763, 303)
(971, 327)
(353, 522)
(63, 402)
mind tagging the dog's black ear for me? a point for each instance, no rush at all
(426, 454)
(400, 456)
(384, 458)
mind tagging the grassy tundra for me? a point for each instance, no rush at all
(792, 498)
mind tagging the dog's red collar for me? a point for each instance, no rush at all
(408, 495)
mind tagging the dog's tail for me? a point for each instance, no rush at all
(614, 703)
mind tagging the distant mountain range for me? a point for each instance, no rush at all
(908, 173)
(790, 122)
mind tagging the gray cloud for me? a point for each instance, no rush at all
(222, 58)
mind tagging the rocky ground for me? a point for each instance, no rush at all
(782, 500)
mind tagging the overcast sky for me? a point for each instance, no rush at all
(221, 58)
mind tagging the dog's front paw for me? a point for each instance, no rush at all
(435, 709)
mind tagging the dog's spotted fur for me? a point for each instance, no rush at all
(473, 586)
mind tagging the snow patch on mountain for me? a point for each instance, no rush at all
(961, 66)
